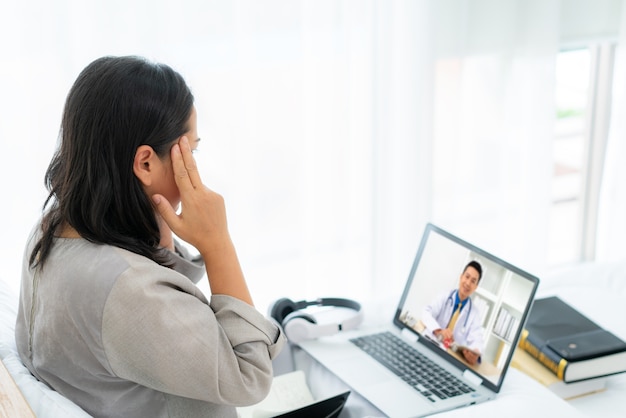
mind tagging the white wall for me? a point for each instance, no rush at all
(45, 45)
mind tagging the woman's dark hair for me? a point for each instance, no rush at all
(115, 105)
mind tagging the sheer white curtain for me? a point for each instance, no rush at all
(284, 95)
(334, 129)
(612, 209)
(493, 124)
(289, 143)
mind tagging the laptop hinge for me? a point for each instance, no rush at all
(408, 335)
(472, 377)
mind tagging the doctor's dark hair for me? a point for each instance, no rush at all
(476, 265)
(115, 105)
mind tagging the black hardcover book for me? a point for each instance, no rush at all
(568, 343)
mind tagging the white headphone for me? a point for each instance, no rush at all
(300, 326)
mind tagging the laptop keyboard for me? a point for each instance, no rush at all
(412, 366)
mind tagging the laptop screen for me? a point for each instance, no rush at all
(494, 298)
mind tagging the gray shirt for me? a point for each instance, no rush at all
(122, 336)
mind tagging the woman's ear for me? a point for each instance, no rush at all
(144, 164)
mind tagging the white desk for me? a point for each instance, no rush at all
(520, 396)
(596, 289)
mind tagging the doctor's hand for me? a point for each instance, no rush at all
(470, 356)
(444, 334)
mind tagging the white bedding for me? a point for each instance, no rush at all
(597, 290)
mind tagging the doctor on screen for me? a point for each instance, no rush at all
(453, 318)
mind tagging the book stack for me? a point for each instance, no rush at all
(531, 367)
(575, 353)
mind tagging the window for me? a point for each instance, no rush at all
(572, 91)
(583, 82)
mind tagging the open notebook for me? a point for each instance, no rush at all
(373, 362)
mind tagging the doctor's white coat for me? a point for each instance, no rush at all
(468, 330)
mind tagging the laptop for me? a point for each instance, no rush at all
(490, 322)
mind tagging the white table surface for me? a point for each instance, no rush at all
(520, 396)
(597, 290)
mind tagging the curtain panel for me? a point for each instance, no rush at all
(334, 129)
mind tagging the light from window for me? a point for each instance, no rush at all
(569, 153)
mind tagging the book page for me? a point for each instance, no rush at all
(289, 391)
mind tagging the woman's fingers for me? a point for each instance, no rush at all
(189, 162)
(201, 220)
(168, 214)
(181, 174)
(187, 180)
(184, 165)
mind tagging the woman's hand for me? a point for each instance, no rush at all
(202, 223)
(167, 238)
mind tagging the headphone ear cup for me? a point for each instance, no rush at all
(299, 326)
(281, 309)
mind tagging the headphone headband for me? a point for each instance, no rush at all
(299, 326)
(338, 302)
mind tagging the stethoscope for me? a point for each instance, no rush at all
(469, 308)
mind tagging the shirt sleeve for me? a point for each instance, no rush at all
(183, 262)
(432, 311)
(163, 333)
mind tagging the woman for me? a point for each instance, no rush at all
(109, 314)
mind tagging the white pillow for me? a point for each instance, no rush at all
(45, 402)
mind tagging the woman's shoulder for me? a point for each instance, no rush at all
(84, 264)
(141, 272)
(94, 268)
(84, 255)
